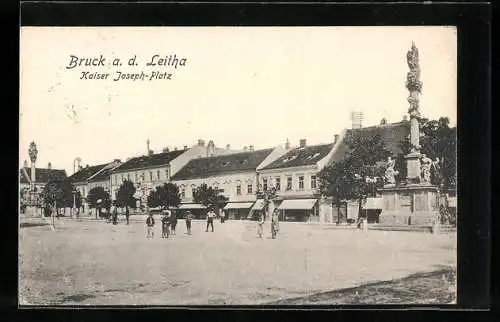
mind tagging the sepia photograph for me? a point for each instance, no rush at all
(194, 166)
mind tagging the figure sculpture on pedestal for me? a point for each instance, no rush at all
(390, 173)
(426, 165)
(437, 175)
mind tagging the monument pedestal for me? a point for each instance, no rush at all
(412, 204)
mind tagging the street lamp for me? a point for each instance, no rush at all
(74, 202)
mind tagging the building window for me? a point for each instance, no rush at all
(301, 182)
(313, 182)
(289, 183)
(278, 183)
(249, 189)
(193, 192)
(143, 176)
(128, 176)
(158, 174)
(238, 189)
(150, 176)
(183, 193)
(265, 184)
(166, 173)
(123, 178)
(136, 177)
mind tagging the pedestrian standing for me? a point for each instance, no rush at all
(210, 219)
(260, 226)
(127, 214)
(115, 214)
(150, 224)
(165, 225)
(173, 222)
(275, 223)
(189, 218)
(222, 216)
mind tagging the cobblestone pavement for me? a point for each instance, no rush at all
(90, 262)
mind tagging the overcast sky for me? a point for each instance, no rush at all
(240, 86)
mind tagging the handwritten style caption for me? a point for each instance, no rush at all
(158, 68)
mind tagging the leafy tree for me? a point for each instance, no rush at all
(268, 196)
(125, 195)
(95, 194)
(345, 179)
(164, 196)
(58, 193)
(209, 196)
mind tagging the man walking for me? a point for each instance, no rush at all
(189, 218)
(173, 222)
(210, 219)
(127, 214)
(150, 224)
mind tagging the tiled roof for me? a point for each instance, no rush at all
(85, 173)
(42, 175)
(392, 134)
(305, 156)
(236, 162)
(148, 161)
(102, 176)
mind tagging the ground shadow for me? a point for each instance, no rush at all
(419, 288)
(27, 224)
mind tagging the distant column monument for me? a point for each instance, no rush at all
(415, 202)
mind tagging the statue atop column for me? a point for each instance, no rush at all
(414, 86)
(33, 152)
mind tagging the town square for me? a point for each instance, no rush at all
(365, 214)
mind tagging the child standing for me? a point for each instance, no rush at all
(189, 218)
(150, 224)
(165, 225)
(173, 222)
(260, 226)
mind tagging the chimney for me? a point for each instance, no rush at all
(175, 148)
(86, 166)
(228, 147)
(80, 167)
(151, 152)
(201, 142)
(165, 150)
(25, 163)
(383, 121)
(245, 148)
(302, 143)
(49, 166)
(335, 138)
(147, 147)
(185, 147)
(251, 148)
(405, 118)
(357, 119)
(287, 144)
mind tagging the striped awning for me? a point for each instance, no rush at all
(192, 206)
(373, 203)
(298, 204)
(258, 205)
(238, 205)
(452, 202)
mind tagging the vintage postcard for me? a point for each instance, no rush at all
(187, 166)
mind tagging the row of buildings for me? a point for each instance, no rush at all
(238, 174)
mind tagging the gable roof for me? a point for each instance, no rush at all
(85, 173)
(148, 161)
(392, 134)
(42, 175)
(236, 162)
(298, 157)
(103, 175)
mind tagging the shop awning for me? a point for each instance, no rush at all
(238, 205)
(452, 202)
(258, 205)
(300, 204)
(373, 203)
(192, 206)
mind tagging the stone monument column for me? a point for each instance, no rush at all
(414, 86)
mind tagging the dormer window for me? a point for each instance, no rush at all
(312, 156)
(226, 163)
(290, 158)
(243, 162)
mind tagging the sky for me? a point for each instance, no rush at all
(239, 85)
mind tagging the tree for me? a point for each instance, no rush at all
(267, 195)
(209, 196)
(96, 194)
(125, 195)
(345, 179)
(58, 193)
(165, 196)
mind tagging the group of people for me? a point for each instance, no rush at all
(274, 224)
(113, 215)
(169, 223)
